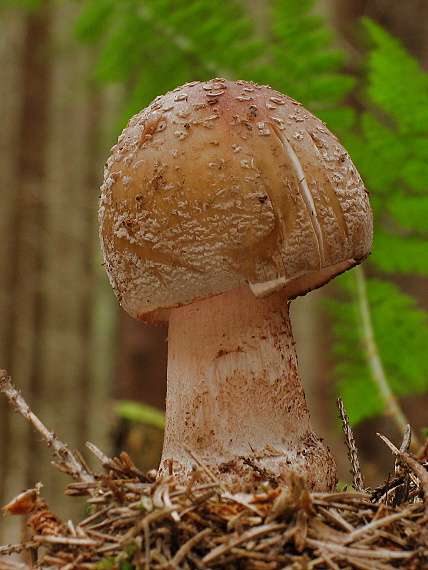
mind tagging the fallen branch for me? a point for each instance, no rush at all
(69, 461)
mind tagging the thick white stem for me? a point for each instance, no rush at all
(234, 391)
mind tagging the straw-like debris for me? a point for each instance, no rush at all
(160, 524)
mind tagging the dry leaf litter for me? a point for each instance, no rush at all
(135, 521)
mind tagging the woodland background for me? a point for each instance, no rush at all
(64, 98)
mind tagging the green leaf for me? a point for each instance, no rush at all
(300, 59)
(410, 212)
(396, 252)
(401, 330)
(126, 565)
(141, 413)
(124, 51)
(360, 397)
(159, 44)
(94, 20)
(397, 83)
(338, 119)
(105, 563)
(382, 154)
(401, 334)
(390, 149)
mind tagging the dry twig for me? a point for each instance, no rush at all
(357, 476)
(69, 461)
(164, 525)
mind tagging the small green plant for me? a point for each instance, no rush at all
(136, 412)
(106, 564)
(389, 144)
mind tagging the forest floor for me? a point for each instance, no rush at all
(135, 521)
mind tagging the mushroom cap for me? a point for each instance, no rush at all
(219, 184)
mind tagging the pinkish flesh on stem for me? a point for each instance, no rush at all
(234, 391)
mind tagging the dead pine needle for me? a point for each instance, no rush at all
(205, 468)
(167, 525)
(134, 522)
(420, 471)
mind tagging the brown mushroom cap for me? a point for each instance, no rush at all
(221, 184)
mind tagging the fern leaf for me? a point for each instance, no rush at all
(410, 212)
(399, 252)
(397, 83)
(401, 335)
(382, 154)
(390, 150)
(392, 155)
(159, 44)
(124, 50)
(94, 19)
(300, 59)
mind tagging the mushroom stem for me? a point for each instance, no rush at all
(234, 391)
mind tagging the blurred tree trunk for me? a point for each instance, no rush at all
(50, 302)
(407, 21)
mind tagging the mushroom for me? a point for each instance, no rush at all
(222, 201)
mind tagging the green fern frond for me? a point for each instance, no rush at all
(390, 149)
(399, 252)
(300, 59)
(159, 44)
(401, 336)
(392, 156)
(411, 217)
(397, 83)
(95, 19)
(382, 154)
